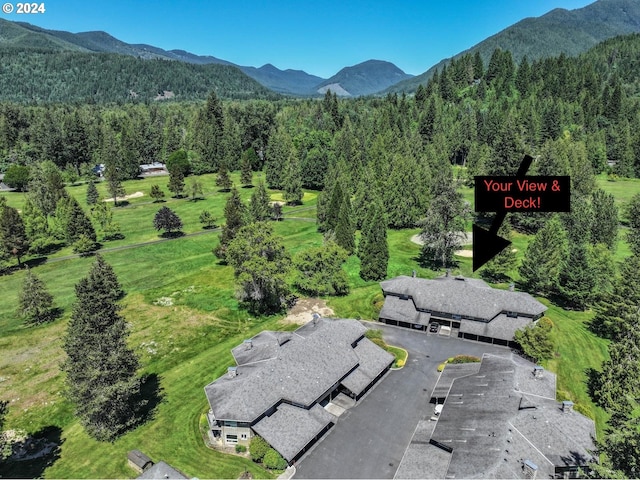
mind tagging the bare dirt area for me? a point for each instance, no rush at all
(126, 197)
(461, 253)
(304, 308)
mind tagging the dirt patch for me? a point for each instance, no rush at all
(126, 197)
(304, 308)
(416, 239)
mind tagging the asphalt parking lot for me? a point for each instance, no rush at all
(369, 440)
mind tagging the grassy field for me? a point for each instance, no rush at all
(184, 320)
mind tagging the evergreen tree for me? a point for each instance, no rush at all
(35, 303)
(543, 259)
(373, 249)
(498, 267)
(278, 152)
(604, 228)
(332, 211)
(13, 236)
(259, 207)
(578, 222)
(246, 173)
(46, 187)
(92, 193)
(100, 368)
(633, 215)
(577, 280)
(535, 340)
(207, 219)
(156, 193)
(345, 232)
(222, 179)
(114, 183)
(319, 270)
(234, 214)
(292, 181)
(73, 222)
(176, 182)
(612, 310)
(167, 220)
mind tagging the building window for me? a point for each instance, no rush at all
(512, 314)
(232, 439)
(243, 436)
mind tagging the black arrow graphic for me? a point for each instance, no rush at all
(487, 244)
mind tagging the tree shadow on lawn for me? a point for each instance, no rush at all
(172, 235)
(151, 395)
(33, 455)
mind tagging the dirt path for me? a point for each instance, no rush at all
(304, 308)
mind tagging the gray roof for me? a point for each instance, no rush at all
(395, 308)
(263, 346)
(300, 371)
(162, 470)
(138, 458)
(290, 428)
(501, 326)
(462, 296)
(485, 415)
(450, 373)
(372, 363)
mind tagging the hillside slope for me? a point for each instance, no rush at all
(559, 31)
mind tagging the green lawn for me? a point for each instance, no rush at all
(187, 344)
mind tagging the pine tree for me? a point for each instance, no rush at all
(332, 210)
(114, 183)
(35, 303)
(259, 208)
(292, 182)
(604, 228)
(222, 179)
(543, 259)
(612, 310)
(499, 266)
(206, 219)
(373, 249)
(100, 368)
(156, 193)
(92, 193)
(13, 236)
(246, 171)
(633, 214)
(278, 151)
(345, 231)
(235, 214)
(577, 281)
(176, 182)
(73, 221)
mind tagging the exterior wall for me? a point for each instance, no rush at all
(236, 435)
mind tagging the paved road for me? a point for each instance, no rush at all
(369, 440)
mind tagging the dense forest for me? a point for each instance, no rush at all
(390, 160)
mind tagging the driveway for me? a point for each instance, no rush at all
(369, 440)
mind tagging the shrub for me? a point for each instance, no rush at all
(258, 447)
(441, 366)
(373, 333)
(241, 448)
(274, 461)
(464, 359)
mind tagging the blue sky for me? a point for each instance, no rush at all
(318, 37)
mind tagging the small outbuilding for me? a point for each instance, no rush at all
(138, 461)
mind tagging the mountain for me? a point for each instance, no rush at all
(294, 82)
(365, 78)
(560, 31)
(21, 35)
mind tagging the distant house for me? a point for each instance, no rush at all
(155, 168)
(500, 419)
(98, 170)
(468, 306)
(284, 380)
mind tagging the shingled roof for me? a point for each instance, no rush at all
(497, 418)
(462, 296)
(299, 371)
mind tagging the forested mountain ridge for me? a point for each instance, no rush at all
(365, 78)
(559, 31)
(47, 76)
